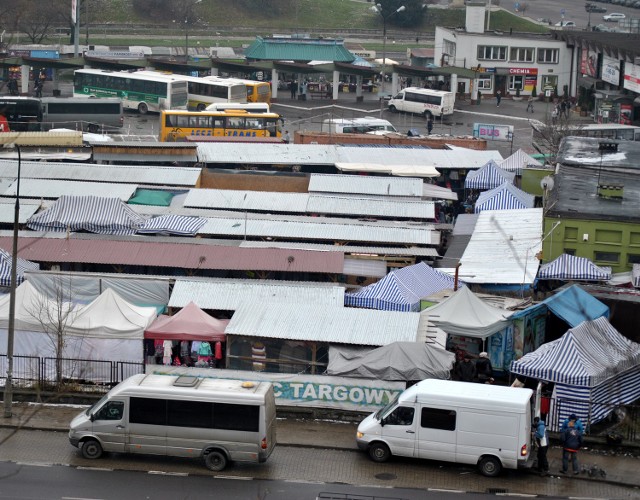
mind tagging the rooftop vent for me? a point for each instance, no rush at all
(611, 191)
(186, 381)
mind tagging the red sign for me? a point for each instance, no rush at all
(523, 71)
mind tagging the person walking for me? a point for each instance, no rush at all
(293, 86)
(542, 442)
(429, 124)
(286, 137)
(576, 422)
(554, 116)
(563, 109)
(466, 369)
(484, 369)
(571, 440)
(530, 104)
(498, 98)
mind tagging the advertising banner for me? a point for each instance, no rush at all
(493, 132)
(589, 63)
(316, 391)
(611, 70)
(632, 77)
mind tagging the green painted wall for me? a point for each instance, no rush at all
(605, 243)
(531, 178)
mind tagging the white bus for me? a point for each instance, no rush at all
(218, 420)
(250, 107)
(256, 91)
(142, 90)
(424, 102)
(362, 125)
(205, 91)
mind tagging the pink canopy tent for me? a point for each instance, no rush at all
(190, 323)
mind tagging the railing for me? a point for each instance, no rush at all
(70, 374)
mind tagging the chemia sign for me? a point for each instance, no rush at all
(493, 132)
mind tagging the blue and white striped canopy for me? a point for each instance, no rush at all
(22, 266)
(504, 197)
(89, 213)
(489, 176)
(570, 267)
(518, 161)
(401, 290)
(586, 356)
(172, 224)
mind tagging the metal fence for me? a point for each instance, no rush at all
(82, 375)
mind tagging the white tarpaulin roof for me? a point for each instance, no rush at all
(395, 361)
(465, 314)
(399, 170)
(110, 316)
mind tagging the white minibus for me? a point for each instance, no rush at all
(217, 420)
(480, 424)
(362, 125)
(423, 102)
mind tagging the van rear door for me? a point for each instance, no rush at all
(399, 430)
(437, 434)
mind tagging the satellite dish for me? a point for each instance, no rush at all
(547, 183)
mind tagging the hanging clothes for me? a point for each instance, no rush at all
(204, 352)
(259, 355)
(218, 351)
(167, 347)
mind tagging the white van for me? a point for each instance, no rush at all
(423, 102)
(480, 424)
(363, 125)
(217, 420)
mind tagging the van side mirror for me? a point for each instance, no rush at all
(383, 422)
(92, 417)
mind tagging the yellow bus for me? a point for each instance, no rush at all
(256, 91)
(176, 126)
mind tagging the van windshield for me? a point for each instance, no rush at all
(95, 405)
(387, 407)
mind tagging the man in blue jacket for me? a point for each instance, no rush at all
(542, 441)
(571, 439)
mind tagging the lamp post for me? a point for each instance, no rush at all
(187, 19)
(378, 8)
(8, 386)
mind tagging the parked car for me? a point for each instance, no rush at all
(614, 17)
(566, 24)
(602, 27)
(596, 8)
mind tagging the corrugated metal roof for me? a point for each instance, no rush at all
(334, 325)
(503, 247)
(66, 138)
(465, 224)
(230, 294)
(173, 252)
(296, 49)
(438, 193)
(308, 203)
(370, 207)
(52, 189)
(330, 154)
(346, 249)
(7, 211)
(358, 184)
(132, 174)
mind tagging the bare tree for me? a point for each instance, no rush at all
(548, 135)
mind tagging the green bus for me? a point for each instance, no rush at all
(140, 91)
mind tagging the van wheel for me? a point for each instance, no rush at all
(379, 452)
(393, 109)
(490, 466)
(143, 109)
(93, 128)
(201, 107)
(215, 460)
(427, 114)
(91, 449)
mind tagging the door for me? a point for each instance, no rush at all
(147, 426)
(437, 434)
(399, 431)
(109, 425)
(501, 84)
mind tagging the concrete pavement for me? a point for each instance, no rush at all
(620, 466)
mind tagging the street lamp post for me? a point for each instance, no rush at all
(378, 8)
(187, 19)
(8, 386)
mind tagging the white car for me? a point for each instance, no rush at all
(614, 16)
(566, 24)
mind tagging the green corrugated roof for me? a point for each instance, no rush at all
(291, 49)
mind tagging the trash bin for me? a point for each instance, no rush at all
(56, 92)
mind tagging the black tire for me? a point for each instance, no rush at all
(91, 449)
(393, 109)
(215, 460)
(201, 107)
(93, 128)
(427, 114)
(379, 452)
(490, 466)
(143, 109)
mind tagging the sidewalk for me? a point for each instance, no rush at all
(621, 467)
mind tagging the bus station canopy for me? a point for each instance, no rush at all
(422, 72)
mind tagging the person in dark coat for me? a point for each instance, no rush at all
(542, 442)
(429, 124)
(466, 370)
(484, 369)
(571, 440)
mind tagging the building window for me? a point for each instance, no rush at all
(522, 54)
(633, 259)
(494, 53)
(634, 239)
(608, 257)
(448, 51)
(484, 83)
(570, 233)
(548, 55)
(516, 82)
(608, 237)
(570, 251)
(549, 81)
